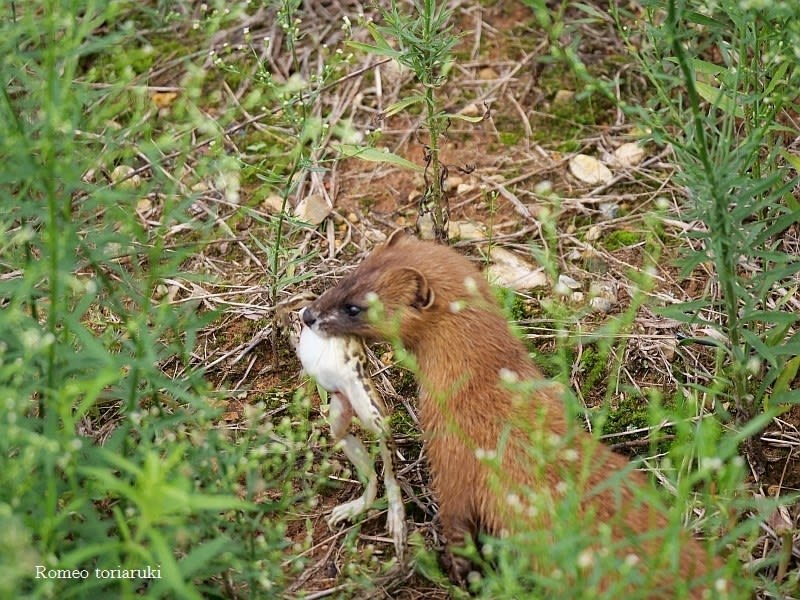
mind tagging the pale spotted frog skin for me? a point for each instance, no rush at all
(339, 364)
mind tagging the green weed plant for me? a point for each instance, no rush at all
(116, 478)
(421, 39)
(723, 75)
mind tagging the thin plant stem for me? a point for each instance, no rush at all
(720, 222)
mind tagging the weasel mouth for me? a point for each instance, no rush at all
(311, 321)
(307, 316)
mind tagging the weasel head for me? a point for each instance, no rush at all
(385, 298)
(406, 290)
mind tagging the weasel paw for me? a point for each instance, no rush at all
(457, 567)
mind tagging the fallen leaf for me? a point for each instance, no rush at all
(511, 271)
(163, 99)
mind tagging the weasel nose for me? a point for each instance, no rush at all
(308, 317)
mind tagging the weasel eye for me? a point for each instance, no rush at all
(352, 310)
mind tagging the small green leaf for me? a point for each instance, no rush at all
(403, 104)
(217, 503)
(202, 555)
(701, 19)
(792, 159)
(703, 66)
(778, 77)
(170, 570)
(759, 346)
(592, 11)
(469, 119)
(719, 98)
(786, 397)
(770, 316)
(375, 155)
(787, 375)
(376, 34)
(374, 49)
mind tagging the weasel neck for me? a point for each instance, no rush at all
(468, 350)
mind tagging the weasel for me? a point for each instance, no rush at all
(339, 364)
(498, 439)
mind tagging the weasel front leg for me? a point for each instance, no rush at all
(457, 523)
(341, 413)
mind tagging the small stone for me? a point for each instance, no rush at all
(601, 305)
(629, 154)
(464, 230)
(577, 297)
(594, 233)
(425, 228)
(375, 235)
(312, 209)
(569, 282)
(609, 210)
(196, 209)
(667, 346)
(604, 295)
(124, 176)
(516, 279)
(472, 110)
(272, 204)
(559, 289)
(452, 182)
(144, 206)
(543, 188)
(563, 96)
(605, 289)
(589, 170)
(465, 188)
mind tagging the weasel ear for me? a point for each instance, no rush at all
(395, 236)
(414, 283)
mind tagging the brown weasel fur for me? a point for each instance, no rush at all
(443, 311)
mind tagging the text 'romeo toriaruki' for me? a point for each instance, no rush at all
(148, 572)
